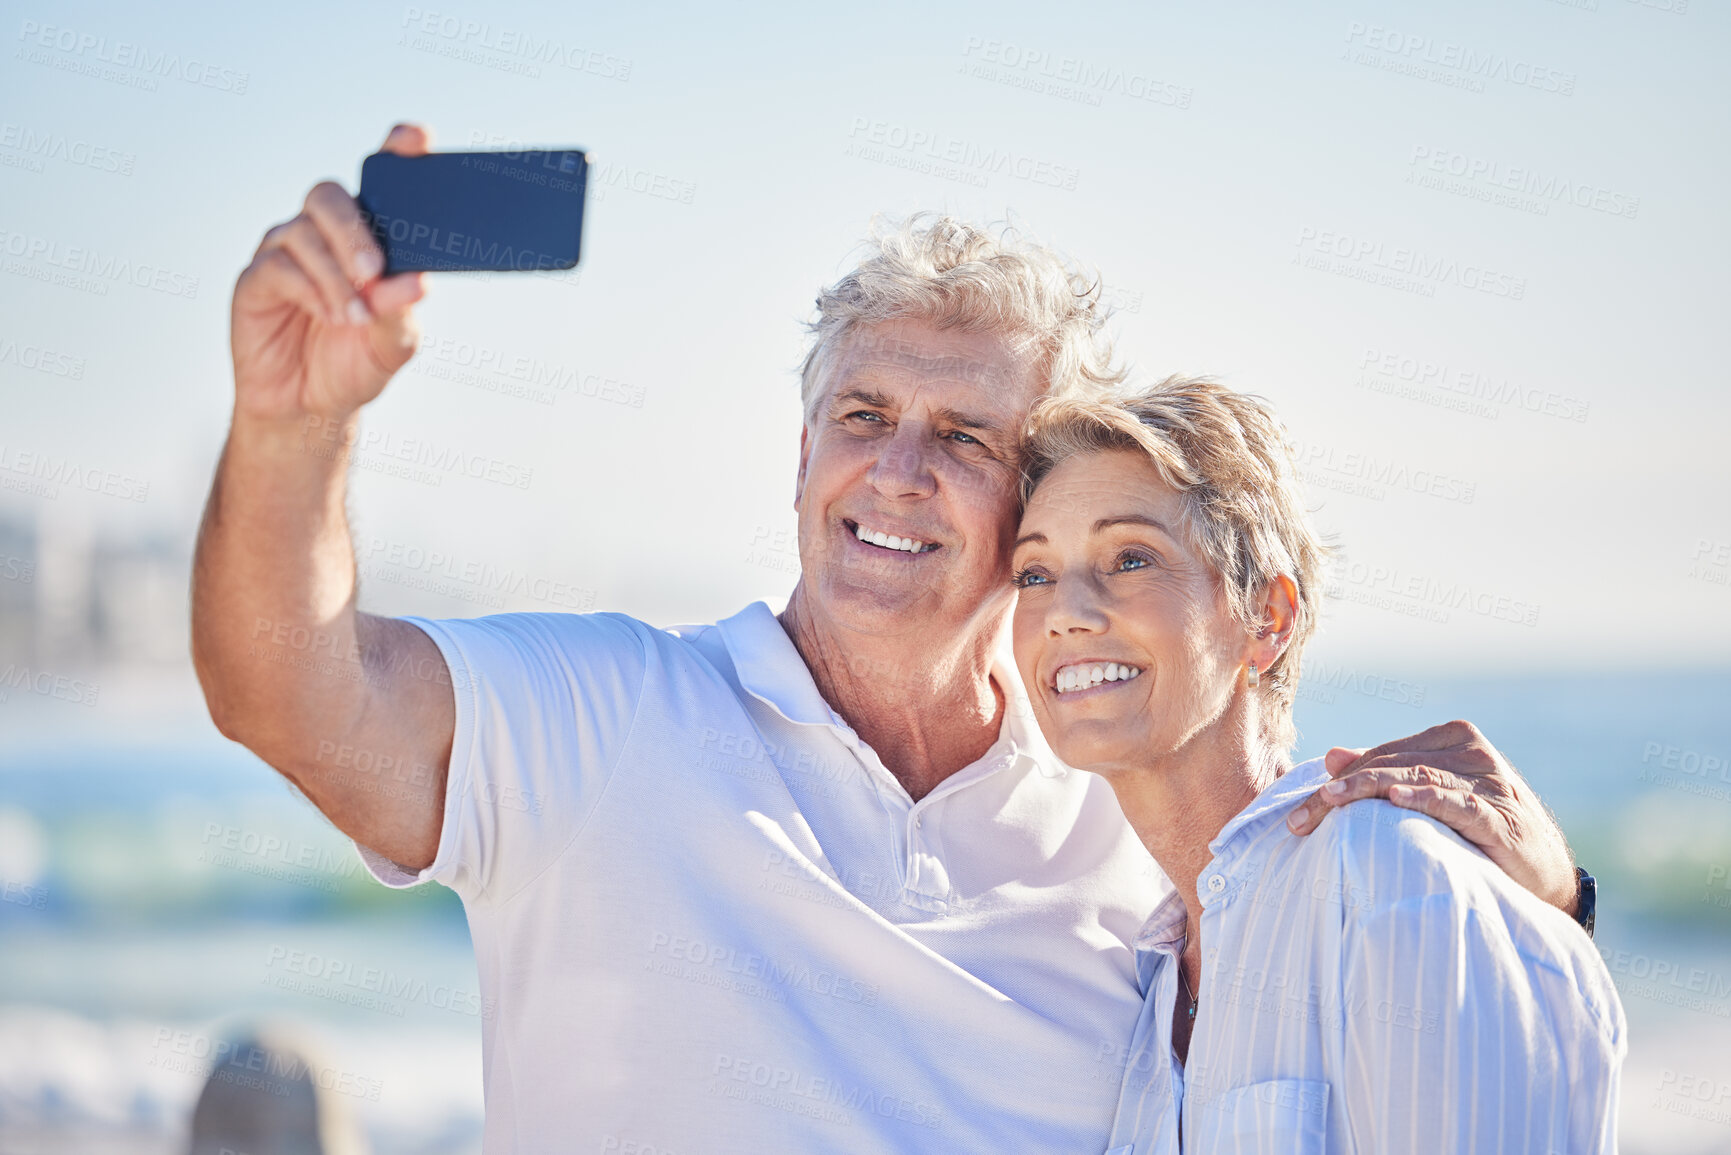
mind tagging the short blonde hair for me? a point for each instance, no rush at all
(955, 275)
(1226, 454)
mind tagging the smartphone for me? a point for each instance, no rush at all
(476, 211)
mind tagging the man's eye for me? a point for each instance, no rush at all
(966, 438)
(866, 414)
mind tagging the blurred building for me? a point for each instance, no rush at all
(77, 596)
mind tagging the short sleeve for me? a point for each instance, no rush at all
(544, 706)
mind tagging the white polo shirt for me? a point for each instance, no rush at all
(707, 918)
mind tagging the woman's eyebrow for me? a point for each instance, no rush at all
(1132, 519)
(1030, 539)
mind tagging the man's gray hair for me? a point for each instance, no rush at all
(955, 275)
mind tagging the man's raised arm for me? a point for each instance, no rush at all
(355, 709)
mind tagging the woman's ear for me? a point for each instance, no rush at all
(1279, 615)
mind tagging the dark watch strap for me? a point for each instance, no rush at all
(1586, 900)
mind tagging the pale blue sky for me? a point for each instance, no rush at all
(737, 128)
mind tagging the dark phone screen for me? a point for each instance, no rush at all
(476, 211)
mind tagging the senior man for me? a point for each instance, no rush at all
(802, 883)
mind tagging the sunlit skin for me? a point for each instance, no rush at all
(917, 436)
(1107, 574)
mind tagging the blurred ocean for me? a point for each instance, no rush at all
(162, 887)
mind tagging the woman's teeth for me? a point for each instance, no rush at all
(890, 541)
(1073, 678)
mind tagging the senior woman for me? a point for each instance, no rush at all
(1379, 986)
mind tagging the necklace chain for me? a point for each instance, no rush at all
(1186, 983)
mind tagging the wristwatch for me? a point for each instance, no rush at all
(1586, 900)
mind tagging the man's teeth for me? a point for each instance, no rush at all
(1072, 678)
(890, 541)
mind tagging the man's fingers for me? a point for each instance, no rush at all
(1368, 784)
(301, 239)
(281, 277)
(1338, 759)
(1460, 810)
(389, 296)
(408, 140)
(339, 221)
(1442, 737)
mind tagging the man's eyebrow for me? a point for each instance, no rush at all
(968, 420)
(860, 397)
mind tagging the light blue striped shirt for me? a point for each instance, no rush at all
(1379, 986)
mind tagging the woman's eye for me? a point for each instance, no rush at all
(1132, 561)
(1023, 578)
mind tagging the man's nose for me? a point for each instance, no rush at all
(903, 467)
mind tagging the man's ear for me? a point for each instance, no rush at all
(804, 456)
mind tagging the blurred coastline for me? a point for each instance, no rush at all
(162, 885)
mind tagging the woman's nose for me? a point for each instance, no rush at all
(1076, 607)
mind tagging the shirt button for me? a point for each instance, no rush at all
(1216, 883)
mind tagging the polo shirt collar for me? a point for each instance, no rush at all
(770, 669)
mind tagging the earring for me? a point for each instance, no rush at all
(1250, 679)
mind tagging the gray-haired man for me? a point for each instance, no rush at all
(807, 882)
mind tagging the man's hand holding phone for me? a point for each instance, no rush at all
(316, 331)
